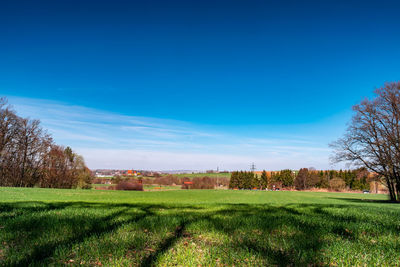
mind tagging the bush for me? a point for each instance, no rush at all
(148, 181)
(199, 183)
(337, 184)
(98, 181)
(203, 183)
(275, 185)
(116, 179)
(167, 180)
(222, 181)
(129, 186)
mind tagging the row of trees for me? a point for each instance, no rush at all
(29, 157)
(358, 179)
(247, 180)
(303, 179)
(250, 180)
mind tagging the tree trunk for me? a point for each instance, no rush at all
(391, 189)
(397, 191)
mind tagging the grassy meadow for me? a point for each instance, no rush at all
(196, 227)
(211, 175)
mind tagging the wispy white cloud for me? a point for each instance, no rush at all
(164, 160)
(111, 140)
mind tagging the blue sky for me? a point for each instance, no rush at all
(196, 84)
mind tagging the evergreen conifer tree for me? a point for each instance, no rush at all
(264, 180)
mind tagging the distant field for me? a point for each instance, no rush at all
(181, 175)
(145, 187)
(191, 175)
(196, 227)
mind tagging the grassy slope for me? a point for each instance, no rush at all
(210, 227)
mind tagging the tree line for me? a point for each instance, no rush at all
(303, 179)
(29, 157)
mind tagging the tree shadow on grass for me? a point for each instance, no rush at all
(269, 222)
(32, 227)
(258, 229)
(164, 246)
(364, 201)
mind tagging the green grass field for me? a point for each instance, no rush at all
(149, 187)
(189, 228)
(192, 175)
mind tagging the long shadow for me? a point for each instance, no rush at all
(19, 208)
(303, 246)
(361, 200)
(275, 256)
(278, 257)
(98, 226)
(311, 234)
(166, 244)
(42, 253)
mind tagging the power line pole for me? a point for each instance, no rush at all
(253, 167)
(217, 177)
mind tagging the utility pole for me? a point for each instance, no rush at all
(217, 177)
(253, 167)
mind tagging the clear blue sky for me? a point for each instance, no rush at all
(247, 69)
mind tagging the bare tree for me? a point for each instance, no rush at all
(9, 129)
(301, 181)
(32, 145)
(372, 139)
(28, 156)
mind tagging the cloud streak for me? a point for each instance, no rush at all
(110, 140)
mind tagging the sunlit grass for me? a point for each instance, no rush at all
(191, 228)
